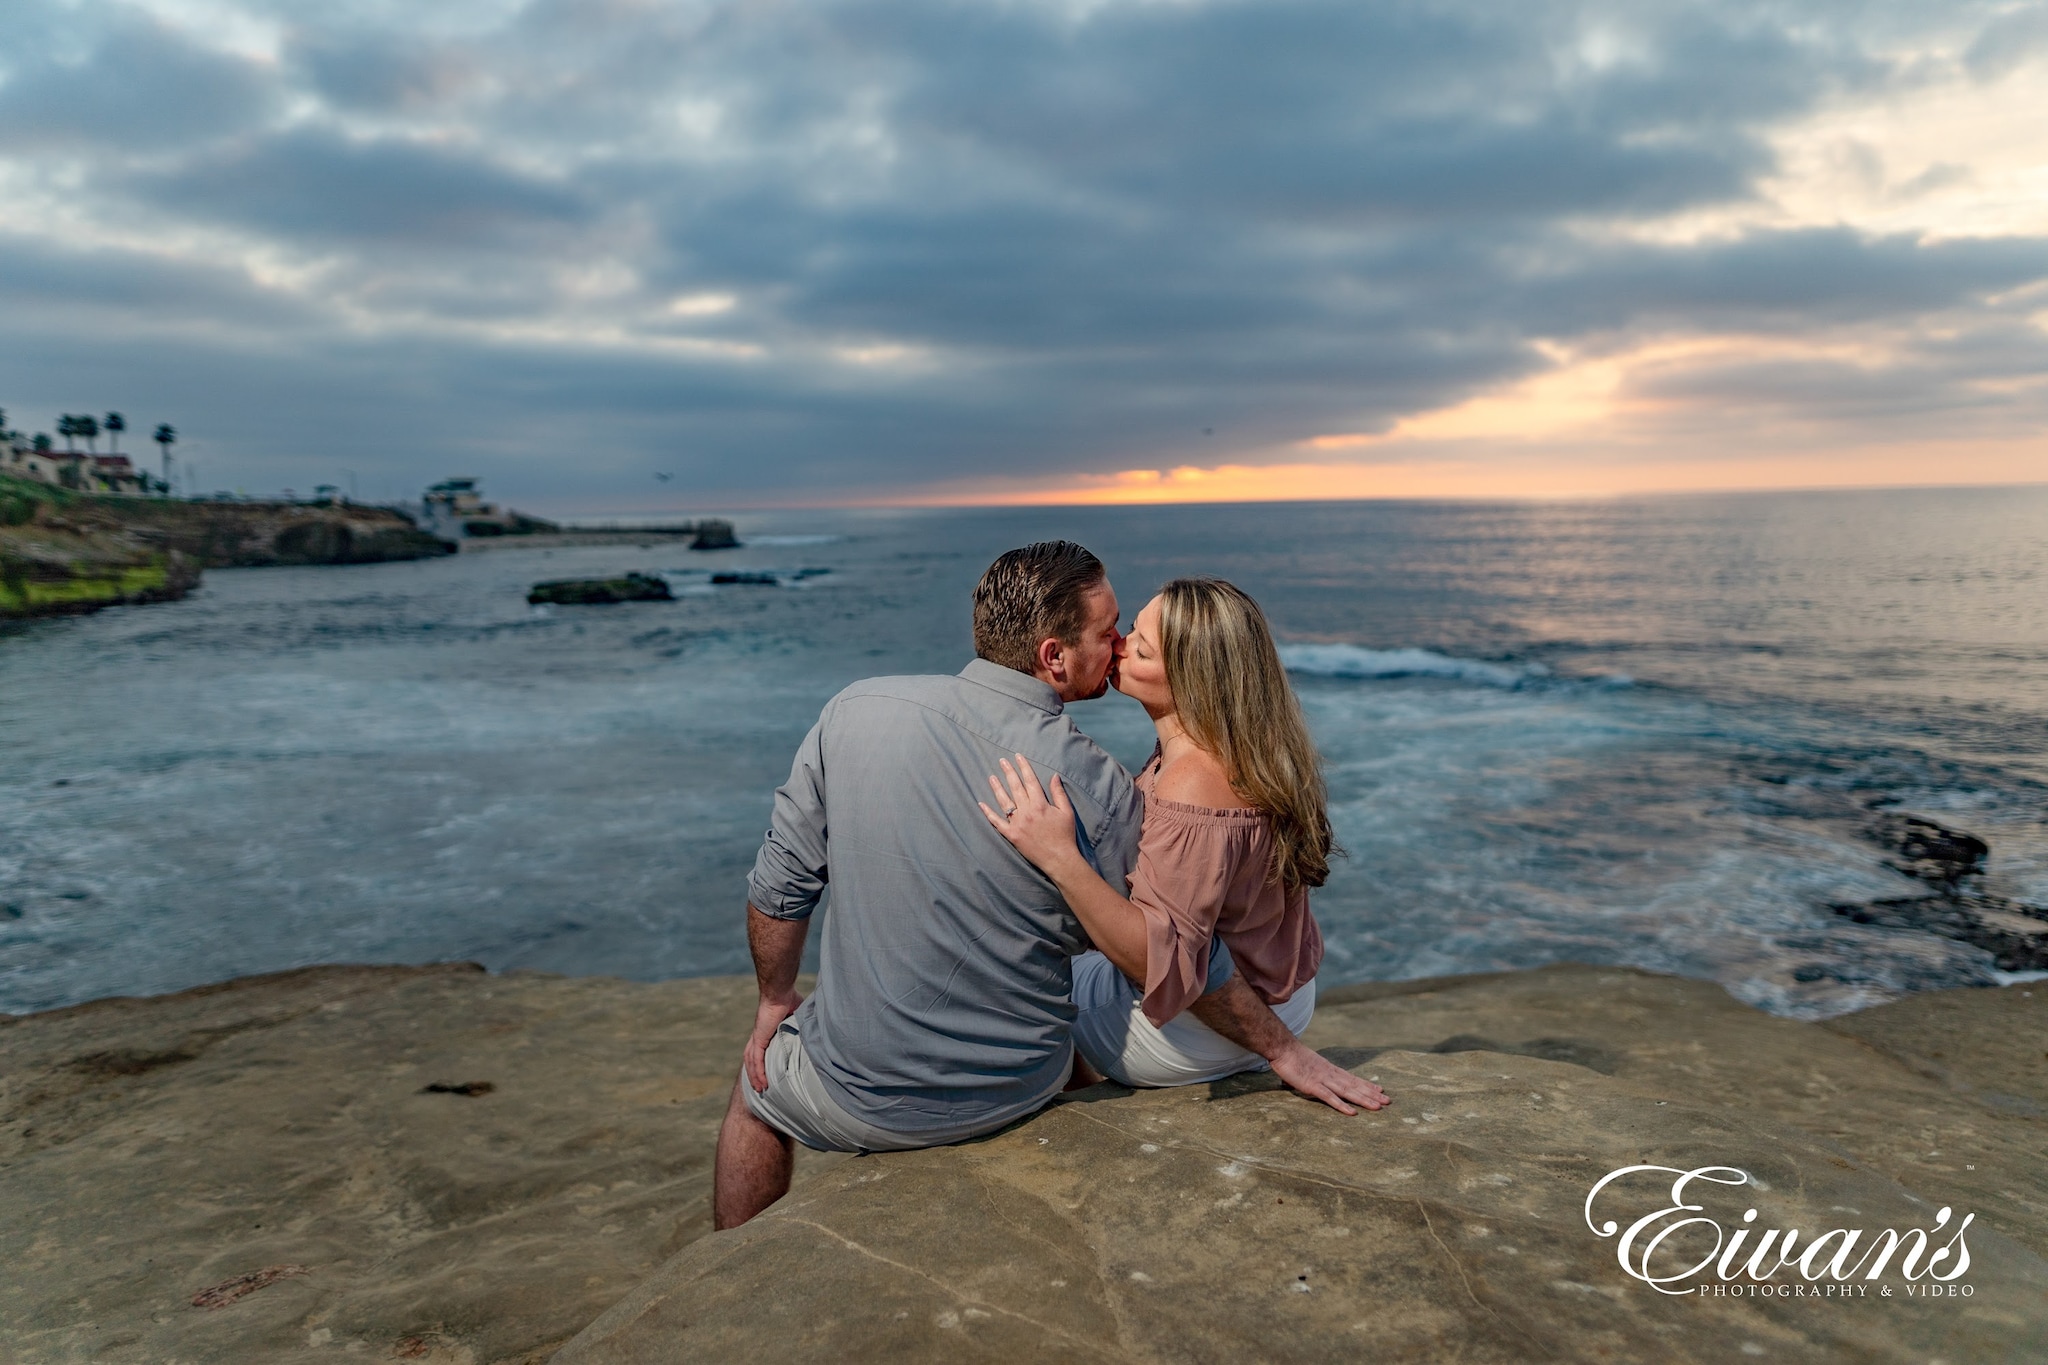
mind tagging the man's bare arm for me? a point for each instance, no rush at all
(1236, 1012)
(778, 949)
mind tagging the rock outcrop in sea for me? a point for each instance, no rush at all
(439, 1164)
(1952, 863)
(593, 592)
(713, 534)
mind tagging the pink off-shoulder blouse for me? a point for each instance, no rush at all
(1202, 874)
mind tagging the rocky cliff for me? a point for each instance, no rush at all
(58, 558)
(63, 552)
(232, 535)
(438, 1164)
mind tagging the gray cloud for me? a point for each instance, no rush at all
(136, 87)
(1093, 233)
(306, 184)
(2010, 39)
(110, 289)
(376, 72)
(1798, 280)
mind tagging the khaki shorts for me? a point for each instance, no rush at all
(797, 1104)
(1112, 1032)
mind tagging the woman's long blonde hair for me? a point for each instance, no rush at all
(1234, 700)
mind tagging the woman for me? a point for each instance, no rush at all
(1235, 834)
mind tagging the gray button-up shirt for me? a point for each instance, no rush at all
(944, 983)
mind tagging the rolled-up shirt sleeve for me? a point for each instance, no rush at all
(1184, 873)
(789, 872)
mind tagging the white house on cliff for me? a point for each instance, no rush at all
(73, 469)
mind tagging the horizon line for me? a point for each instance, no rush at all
(915, 503)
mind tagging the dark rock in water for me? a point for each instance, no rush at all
(809, 573)
(749, 580)
(713, 534)
(590, 592)
(2014, 933)
(1928, 851)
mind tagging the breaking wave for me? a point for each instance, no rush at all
(1352, 661)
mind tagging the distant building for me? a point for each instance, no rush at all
(73, 469)
(454, 509)
(45, 466)
(114, 474)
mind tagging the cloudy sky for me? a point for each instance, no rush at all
(794, 251)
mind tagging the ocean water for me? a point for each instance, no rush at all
(1655, 732)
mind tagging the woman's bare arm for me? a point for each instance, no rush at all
(1042, 828)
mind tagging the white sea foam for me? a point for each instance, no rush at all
(794, 540)
(1352, 661)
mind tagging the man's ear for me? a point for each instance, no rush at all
(1052, 659)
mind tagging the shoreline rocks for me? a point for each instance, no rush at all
(336, 1122)
(1951, 861)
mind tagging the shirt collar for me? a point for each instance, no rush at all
(1008, 681)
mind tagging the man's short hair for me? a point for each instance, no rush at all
(1035, 593)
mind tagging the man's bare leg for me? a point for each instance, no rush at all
(753, 1167)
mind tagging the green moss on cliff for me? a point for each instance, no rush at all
(33, 591)
(60, 555)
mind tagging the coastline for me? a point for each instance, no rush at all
(67, 553)
(155, 1148)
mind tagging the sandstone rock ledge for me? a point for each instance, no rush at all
(153, 1149)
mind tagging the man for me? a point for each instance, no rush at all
(944, 997)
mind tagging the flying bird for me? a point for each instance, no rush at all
(663, 478)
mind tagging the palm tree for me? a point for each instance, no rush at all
(116, 424)
(89, 428)
(67, 427)
(166, 436)
(43, 443)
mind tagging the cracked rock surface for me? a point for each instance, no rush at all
(1239, 1223)
(151, 1150)
(438, 1164)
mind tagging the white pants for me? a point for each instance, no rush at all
(1112, 1032)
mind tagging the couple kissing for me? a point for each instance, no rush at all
(1012, 913)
